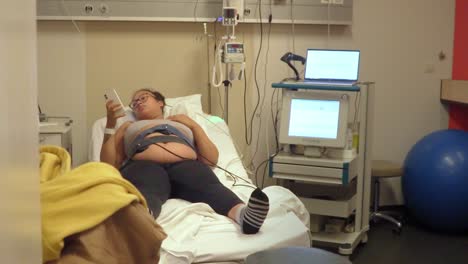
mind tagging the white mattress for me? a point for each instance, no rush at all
(197, 234)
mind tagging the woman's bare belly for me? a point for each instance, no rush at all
(158, 153)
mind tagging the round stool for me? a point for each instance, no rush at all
(296, 255)
(384, 169)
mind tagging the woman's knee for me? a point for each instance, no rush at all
(141, 167)
(147, 175)
(151, 179)
(192, 172)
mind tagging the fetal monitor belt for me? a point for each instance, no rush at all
(145, 143)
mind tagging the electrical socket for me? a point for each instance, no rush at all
(104, 8)
(88, 8)
(337, 2)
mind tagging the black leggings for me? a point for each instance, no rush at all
(190, 180)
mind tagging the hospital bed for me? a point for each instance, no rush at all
(198, 235)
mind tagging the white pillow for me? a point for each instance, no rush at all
(183, 105)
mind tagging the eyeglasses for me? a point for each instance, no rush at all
(140, 100)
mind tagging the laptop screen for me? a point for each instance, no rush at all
(332, 65)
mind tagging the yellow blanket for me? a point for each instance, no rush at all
(76, 200)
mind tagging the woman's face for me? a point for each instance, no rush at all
(145, 106)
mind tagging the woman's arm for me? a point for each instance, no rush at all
(112, 151)
(208, 152)
(108, 152)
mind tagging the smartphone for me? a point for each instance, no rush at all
(111, 94)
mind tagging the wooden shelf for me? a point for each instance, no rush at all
(454, 91)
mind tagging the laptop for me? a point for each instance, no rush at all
(332, 67)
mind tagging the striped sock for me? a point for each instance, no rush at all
(254, 214)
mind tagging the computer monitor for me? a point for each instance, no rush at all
(337, 65)
(316, 119)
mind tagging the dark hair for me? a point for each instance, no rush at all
(157, 95)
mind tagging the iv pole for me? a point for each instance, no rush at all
(227, 82)
(231, 53)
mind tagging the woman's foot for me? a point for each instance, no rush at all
(253, 215)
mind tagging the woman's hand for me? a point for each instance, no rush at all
(112, 113)
(183, 119)
(112, 150)
(208, 153)
(119, 142)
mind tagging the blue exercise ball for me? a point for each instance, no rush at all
(435, 180)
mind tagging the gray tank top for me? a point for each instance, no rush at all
(133, 129)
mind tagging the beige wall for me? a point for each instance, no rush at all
(62, 78)
(170, 57)
(400, 41)
(20, 210)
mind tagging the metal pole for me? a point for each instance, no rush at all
(208, 71)
(226, 95)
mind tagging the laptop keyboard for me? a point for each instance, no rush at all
(329, 83)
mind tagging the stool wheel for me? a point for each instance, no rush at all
(384, 169)
(365, 238)
(397, 231)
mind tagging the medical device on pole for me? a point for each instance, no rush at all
(229, 51)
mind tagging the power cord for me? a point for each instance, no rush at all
(293, 29)
(234, 143)
(357, 105)
(249, 140)
(328, 24)
(274, 118)
(270, 18)
(234, 176)
(246, 129)
(195, 11)
(265, 162)
(68, 14)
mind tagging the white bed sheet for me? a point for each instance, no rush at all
(197, 234)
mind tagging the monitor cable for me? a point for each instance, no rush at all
(212, 164)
